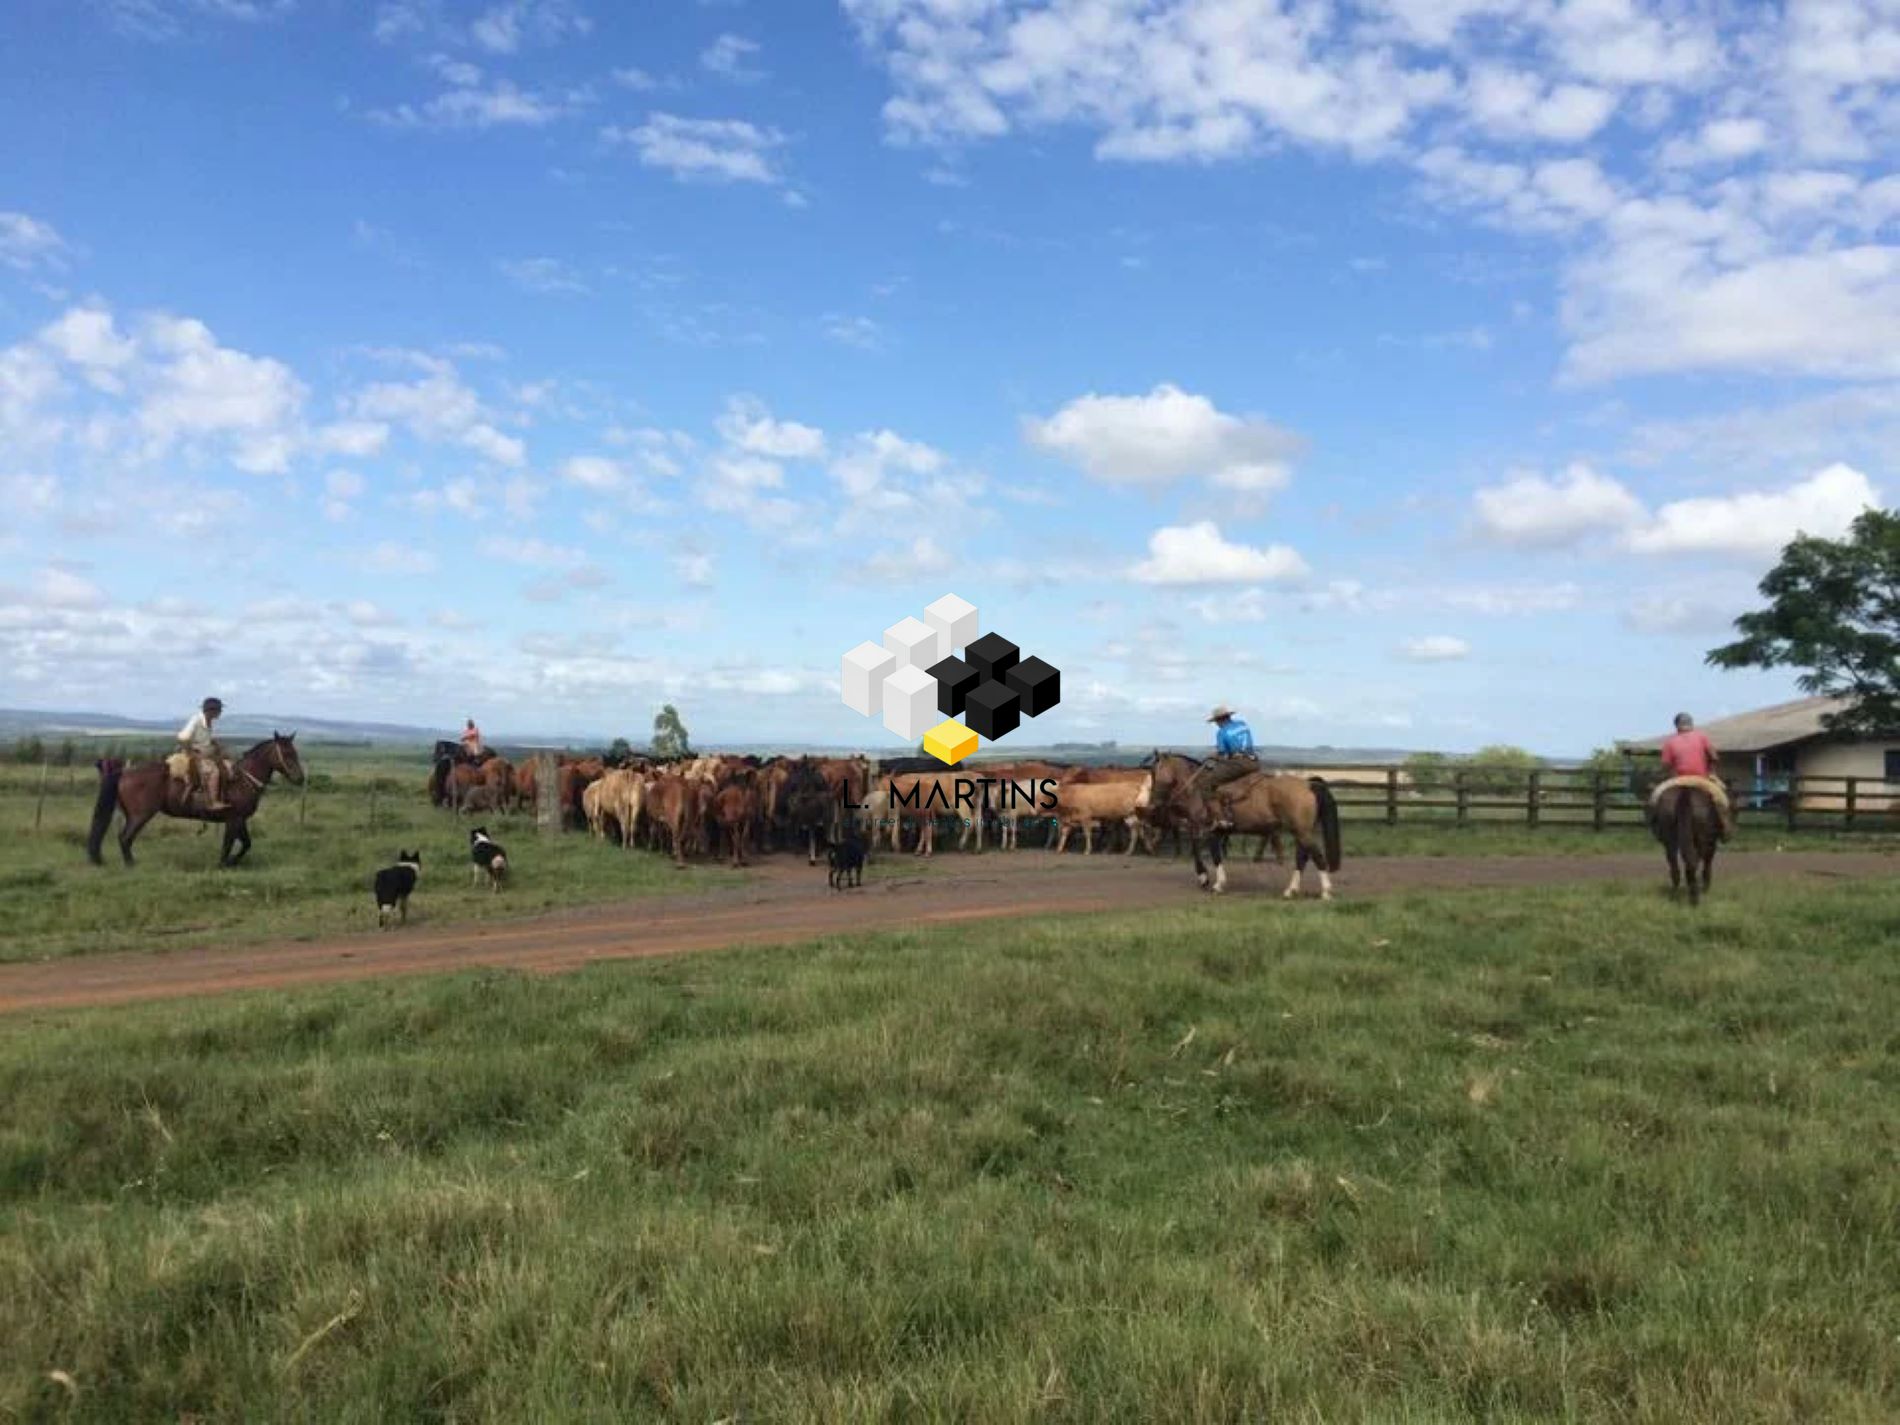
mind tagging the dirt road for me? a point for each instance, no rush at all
(786, 901)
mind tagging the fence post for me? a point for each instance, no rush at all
(1458, 785)
(1853, 796)
(39, 806)
(1794, 796)
(547, 795)
(372, 802)
(1392, 796)
(1598, 804)
(1532, 798)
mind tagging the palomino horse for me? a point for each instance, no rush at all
(1685, 820)
(1260, 804)
(147, 789)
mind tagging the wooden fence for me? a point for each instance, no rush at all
(1596, 800)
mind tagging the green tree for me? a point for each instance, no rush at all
(1502, 770)
(29, 751)
(1833, 611)
(669, 734)
(620, 753)
(1428, 771)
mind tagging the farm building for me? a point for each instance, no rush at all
(1776, 753)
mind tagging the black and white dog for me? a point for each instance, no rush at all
(486, 858)
(847, 860)
(394, 885)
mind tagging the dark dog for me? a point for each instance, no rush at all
(847, 861)
(486, 858)
(394, 885)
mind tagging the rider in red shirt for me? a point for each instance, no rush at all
(1690, 754)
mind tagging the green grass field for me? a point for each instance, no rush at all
(308, 874)
(1578, 1154)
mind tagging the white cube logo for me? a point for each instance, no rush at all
(955, 622)
(865, 669)
(892, 679)
(914, 642)
(910, 703)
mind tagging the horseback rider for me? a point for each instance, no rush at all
(1233, 753)
(204, 757)
(471, 742)
(1689, 757)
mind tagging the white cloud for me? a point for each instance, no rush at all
(747, 425)
(694, 569)
(1657, 303)
(391, 557)
(546, 275)
(196, 389)
(57, 588)
(731, 57)
(1435, 648)
(921, 556)
(1533, 511)
(1198, 554)
(88, 338)
(1514, 103)
(341, 489)
(1165, 436)
(439, 408)
(718, 150)
(861, 332)
(356, 439)
(594, 472)
(1759, 523)
(473, 101)
(862, 468)
(503, 29)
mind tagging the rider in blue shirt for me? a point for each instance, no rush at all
(1233, 752)
(1231, 735)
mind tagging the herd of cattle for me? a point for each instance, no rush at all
(736, 806)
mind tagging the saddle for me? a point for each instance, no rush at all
(185, 792)
(1711, 785)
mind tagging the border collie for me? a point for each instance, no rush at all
(486, 857)
(847, 860)
(394, 885)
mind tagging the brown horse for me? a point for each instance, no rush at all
(147, 789)
(1685, 820)
(1261, 804)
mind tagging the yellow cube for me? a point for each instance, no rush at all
(950, 742)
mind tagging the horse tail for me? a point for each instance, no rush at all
(1685, 821)
(110, 770)
(1328, 822)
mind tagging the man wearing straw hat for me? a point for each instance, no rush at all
(1233, 752)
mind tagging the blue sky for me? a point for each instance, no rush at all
(1424, 373)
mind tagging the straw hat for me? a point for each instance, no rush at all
(1221, 710)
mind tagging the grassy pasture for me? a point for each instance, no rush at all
(1575, 1154)
(308, 874)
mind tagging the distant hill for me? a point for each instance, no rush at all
(16, 723)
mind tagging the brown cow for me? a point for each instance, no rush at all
(673, 808)
(1083, 804)
(735, 808)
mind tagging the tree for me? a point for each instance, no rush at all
(669, 734)
(1833, 610)
(1501, 770)
(621, 752)
(1427, 771)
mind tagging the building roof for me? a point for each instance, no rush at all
(1758, 731)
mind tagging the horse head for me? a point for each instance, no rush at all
(283, 757)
